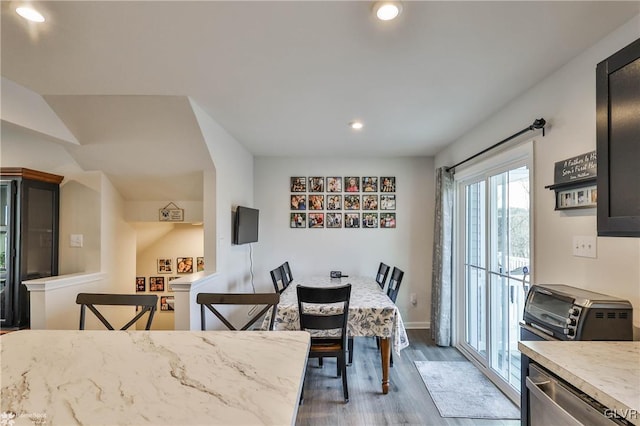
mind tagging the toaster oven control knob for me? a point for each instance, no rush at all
(574, 311)
(571, 321)
(571, 332)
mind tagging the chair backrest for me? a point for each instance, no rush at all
(381, 277)
(394, 283)
(287, 272)
(148, 302)
(278, 279)
(208, 300)
(313, 318)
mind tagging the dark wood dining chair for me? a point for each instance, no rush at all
(394, 283)
(208, 300)
(381, 276)
(287, 273)
(314, 320)
(278, 279)
(148, 302)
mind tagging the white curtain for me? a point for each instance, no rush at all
(442, 259)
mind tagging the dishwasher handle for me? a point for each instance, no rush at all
(544, 407)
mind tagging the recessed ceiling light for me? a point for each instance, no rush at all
(387, 10)
(30, 14)
(356, 125)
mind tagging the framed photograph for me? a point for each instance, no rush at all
(352, 220)
(352, 184)
(388, 202)
(316, 202)
(185, 265)
(577, 198)
(370, 184)
(334, 184)
(316, 184)
(165, 265)
(334, 220)
(156, 283)
(298, 202)
(387, 220)
(388, 184)
(167, 303)
(316, 220)
(334, 202)
(369, 202)
(352, 202)
(369, 220)
(199, 264)
(299, 184)
(298, 220)
(141, 284)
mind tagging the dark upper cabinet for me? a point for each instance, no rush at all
(29, 209)
(618, 142)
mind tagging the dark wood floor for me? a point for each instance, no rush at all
(407, 403)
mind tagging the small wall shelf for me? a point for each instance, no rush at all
(582, 194)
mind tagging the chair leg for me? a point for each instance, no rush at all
(338, 366)
(320, 363)
(350, 345)
(345, 386)
(391, 357)
(378, 342)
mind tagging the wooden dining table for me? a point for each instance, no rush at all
(71, 377)
(371, 313)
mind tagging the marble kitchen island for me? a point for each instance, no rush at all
(152, 377)
(608, 372)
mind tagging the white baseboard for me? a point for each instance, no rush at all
(417, 325)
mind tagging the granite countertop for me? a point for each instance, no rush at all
(609, 372)
(152, 377)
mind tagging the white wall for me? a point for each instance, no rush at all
(566, 99)
(231, 185)
(353, 251)
(183, 240)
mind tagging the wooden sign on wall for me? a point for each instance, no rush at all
(574, 169)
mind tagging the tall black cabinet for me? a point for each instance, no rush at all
(29, 209)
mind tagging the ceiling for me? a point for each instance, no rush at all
(285, 78)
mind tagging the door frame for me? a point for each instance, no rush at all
(518, 156)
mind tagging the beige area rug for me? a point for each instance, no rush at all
(459, 389)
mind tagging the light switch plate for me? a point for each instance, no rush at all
(76, 240)
(584, 246)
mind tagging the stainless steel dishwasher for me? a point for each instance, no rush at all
(553, 402)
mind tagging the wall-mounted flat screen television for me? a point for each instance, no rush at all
(245, 227)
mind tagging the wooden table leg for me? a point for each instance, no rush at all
(385, 352)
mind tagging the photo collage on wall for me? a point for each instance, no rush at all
(183, 265)
(342, 202)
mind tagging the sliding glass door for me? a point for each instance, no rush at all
(493, 263)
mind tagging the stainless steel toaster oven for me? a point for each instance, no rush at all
(563, 312)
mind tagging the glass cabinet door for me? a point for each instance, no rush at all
(6, 252)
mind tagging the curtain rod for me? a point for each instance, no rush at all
(538, 123)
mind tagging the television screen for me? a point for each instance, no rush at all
(246, 225)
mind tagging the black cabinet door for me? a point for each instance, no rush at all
(28, 243)
(618, 143)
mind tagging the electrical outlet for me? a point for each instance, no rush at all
(584, 246)
(414, 299)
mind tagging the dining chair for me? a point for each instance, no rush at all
(394, 283)
(287, 272)
(319, 321)
(381, 276)
(278, 279)
(208, 300)
(148, 302)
